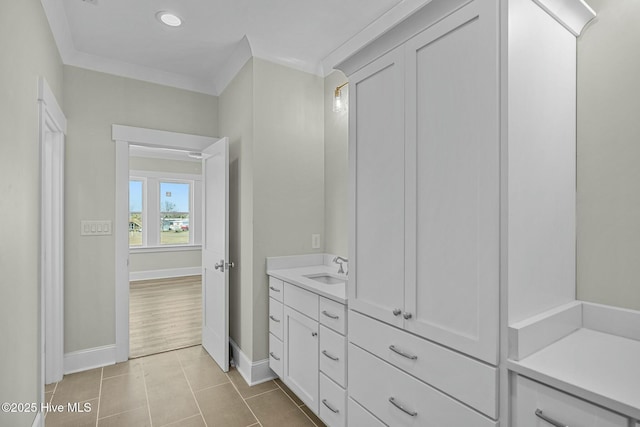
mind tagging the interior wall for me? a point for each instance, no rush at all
(166, 260)
(608, 196)
(28, 51)
(94, 101)
(336, 168)
(288, 175)
(236, 122)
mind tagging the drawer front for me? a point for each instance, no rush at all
(275, 288)
(275, 354)
(556, 405)
(475, 383)
(333, 403)
(333, 315)
(401, 400)
(360, 417)
(275, 318)
(333, 355)
(301, 300)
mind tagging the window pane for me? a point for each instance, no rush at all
(135, 213)
(174, 213)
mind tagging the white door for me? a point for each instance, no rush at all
(453, 170)
(215, 253)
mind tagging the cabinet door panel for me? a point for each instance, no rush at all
(301, 345)
(376, 151)
(453, 181)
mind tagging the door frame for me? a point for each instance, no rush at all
(123, 136)
(51, 134)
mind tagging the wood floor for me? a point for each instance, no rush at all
(164, 314)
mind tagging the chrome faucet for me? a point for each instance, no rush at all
(339, 260)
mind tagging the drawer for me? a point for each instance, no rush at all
(333, 315)
(301, 300)
(275, 288)
(275, 318)
(396, 398)
(275, 354)
(333, 403)
(333, 355)
(357, 416)
(468, 380)
(531, 396)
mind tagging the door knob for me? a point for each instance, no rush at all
(407, 316)
(230, 265)
(219, 266)
(397, 312)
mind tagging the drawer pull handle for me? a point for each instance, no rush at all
(402, 353)
(331, 408)
(274, 289)
(402, 408)
(330, 356)
(397, 312)
(274, 319)
(551, 421)
(329, 315)
(314, 334)
(274, 356)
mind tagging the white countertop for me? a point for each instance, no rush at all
(295, 275)
(599, 367)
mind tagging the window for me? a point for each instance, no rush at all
(163, 210)
(175, 206)
(135, 212)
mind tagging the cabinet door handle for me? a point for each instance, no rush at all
(407, 316)
(314, 334)
(402, 353)
(331, 408)
(329, 315)
(274, 319)
(329, 355)
(273, 355)
(274, 289)
(551, 421)
(397, 312)
(402, 408)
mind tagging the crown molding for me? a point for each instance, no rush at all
(241, 54)
(572, 14)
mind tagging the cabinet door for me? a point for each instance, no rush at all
(453, 181)
(376, 156)
(301, 356)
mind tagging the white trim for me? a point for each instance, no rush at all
(160, 153)
(38, 421)
(165, 248)
(165, 175)
(52, 126)
(83, 360)
(59, 28)
(253, 372)
(571, 14)
(161, 138)
(165, 274)
(233, 65)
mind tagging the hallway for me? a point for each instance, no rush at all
(178, 388)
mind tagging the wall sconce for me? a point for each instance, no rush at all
(339, 101)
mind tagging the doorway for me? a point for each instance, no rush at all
(215, 282)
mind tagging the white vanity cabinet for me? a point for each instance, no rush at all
(308, 348)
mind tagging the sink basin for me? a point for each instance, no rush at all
(325, 278)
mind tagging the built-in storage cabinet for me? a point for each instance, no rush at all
(539, 405)
(425, 152)
(308, 348)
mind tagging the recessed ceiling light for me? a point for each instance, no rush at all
(169, 18)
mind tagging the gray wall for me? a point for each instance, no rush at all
(274, 118)
(93, 102)
(336, 168)
(608, 199)
(28, 51)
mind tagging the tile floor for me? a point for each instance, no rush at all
(178, 388)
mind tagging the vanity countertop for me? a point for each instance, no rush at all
(598, 366)
(295, 269)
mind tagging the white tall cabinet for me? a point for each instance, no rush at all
(462, 171)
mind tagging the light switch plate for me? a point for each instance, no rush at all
(95, 228)
(315, 241)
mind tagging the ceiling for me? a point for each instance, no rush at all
(123, 37)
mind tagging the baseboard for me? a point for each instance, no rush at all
(252, 372)
(90, 358)
(164, 274)
(39, 420)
